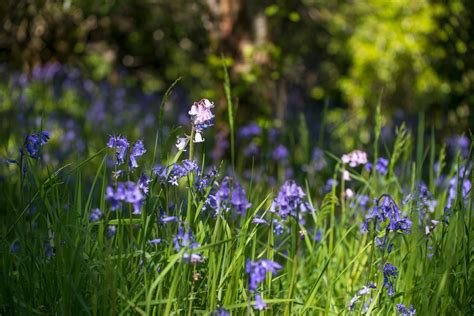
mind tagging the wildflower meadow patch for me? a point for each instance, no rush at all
(128, 221)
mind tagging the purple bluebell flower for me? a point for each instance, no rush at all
(120, 144)
(403, 311)
(111, 230)
(369, 166)
(278, 228)
(190, 166)
(138, 150)
(186, 239)
(257, 271)
(362, 292)
(382, 166)
(280, 153)
(155, 241)
(221, 312)
(289, 199)
(390, 273)
(144, 183)
(385, 209)
(250, 130)
(259, 303)
(177, 172)
(239, 199)
(34, 142)
(465, 184)
(318, 236)
(460, 143)
(95, 215)
(128, 192)
(202, 182)
(161, 172)
(352, 302)
(165, 219)
(259, 220)
(329, 184)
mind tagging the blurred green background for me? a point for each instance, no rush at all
(284, 57)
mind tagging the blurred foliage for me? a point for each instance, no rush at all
(285, 57)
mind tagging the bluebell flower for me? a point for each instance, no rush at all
(390, 273)
(95, 215)
(329, 184)
(362, 292)
(460, 143)
(259, 220)
(280, 153)
(202, 182)
(289, 199)
(128, 192)
(120, 144)
(201, 114)
(138, 150)
(239, 200)
(111, 230)
(278, 228)
(382, 166)
(34, 142)
(403, 311)
(161, 172)
(250, 130)
(259, 303)
(168, 219)
(143, 183)
(186, 239)
(221, 312)
(257, 271)
(155, 241)
(385, 209)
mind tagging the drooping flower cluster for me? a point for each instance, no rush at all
(355, 158)
(289, 203)
(95, 215)
(138, 150)
(257, 272)
(34, 142)
(381, 166)
(465, 185)
(423, 202)
(121, 145)
(186, 239)
(390, 273)
(290, 200)
(230, 195)
(385, 209)
(128, 192)
(361, 293)
(404, 311)
(202, 118)
(175, 172)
